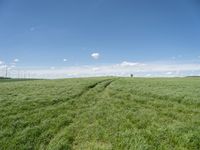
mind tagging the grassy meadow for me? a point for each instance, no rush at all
(100, 114)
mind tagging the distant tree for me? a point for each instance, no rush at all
(131, 75)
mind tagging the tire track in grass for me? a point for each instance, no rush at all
(92, 87)
(60, 133)
(83, 92)
(87, 112)
(81, 95)
(63, 100)
(102, 87)
(86, 90)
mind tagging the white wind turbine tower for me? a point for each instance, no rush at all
(8, 68)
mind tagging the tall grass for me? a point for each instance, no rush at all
(100, 113)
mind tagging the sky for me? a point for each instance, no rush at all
(73, 38)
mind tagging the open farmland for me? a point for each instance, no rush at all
(100, 113)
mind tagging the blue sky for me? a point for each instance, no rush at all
(41, 33)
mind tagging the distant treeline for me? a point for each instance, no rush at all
(4, 78)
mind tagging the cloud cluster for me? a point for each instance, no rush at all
(124, 68)
(4, 67)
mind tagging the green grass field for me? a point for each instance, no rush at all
(100, 114)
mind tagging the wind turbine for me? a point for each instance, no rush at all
(10, 66)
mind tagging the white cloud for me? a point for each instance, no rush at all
(3, 66)
(16, 60)
(95, 55)
(169, 73)
(65, 60)
(130, 64)
(1, 62)
(96, 69)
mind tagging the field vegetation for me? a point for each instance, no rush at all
(100, 114)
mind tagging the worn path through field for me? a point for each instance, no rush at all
(89, 97)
